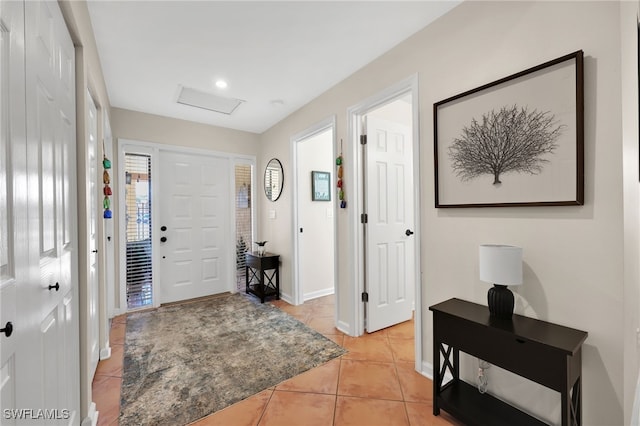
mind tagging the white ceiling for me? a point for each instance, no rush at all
(275, 56)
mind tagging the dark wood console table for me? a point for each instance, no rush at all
(545, 353)
(263, 275)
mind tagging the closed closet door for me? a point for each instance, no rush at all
(39, 360)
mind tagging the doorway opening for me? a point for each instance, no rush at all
(385, 176)
(139, 284)
(314, 211)
(244, 220)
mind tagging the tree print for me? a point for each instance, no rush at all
(513, 139)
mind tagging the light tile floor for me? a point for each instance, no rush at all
(374, 384)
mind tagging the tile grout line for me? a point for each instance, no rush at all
(264, 409)
(335, 404)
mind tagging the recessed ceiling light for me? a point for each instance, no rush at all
(221, 84)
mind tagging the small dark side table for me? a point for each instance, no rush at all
(545, 353)
(263, 275)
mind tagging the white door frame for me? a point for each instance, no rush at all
(154, 149)
(322, 126)
(356, 237)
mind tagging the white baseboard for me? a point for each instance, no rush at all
(319, 293)
(635, 416)
(287, 298)
(92, 416)
(105, 353)
(427, 370)
(344, 327)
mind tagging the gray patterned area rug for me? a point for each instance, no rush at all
(183, 362)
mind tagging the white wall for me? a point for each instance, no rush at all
(316, 243)
(629, 12)
(574, 256)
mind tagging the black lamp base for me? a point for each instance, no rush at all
(500, 301)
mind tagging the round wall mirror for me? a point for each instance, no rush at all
(273, 179)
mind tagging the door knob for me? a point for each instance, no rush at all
(163, 239)
(163, 228)
(94, 251)
(8, 329)
(57, 286)
(408, 232)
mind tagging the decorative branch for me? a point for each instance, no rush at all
(512, 139)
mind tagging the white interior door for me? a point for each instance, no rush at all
(47, 354)
(39, 366)
(194, 205)
(50, 98)
(13, 202)
(390, 257)
(93, 326)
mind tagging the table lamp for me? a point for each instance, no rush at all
(500, 265)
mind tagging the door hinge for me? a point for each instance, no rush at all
(364, 218)
(363, 139)
(365, 296)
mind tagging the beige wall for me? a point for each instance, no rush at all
(581, 263)
(88, 77)
(574, 256)
(140, 126)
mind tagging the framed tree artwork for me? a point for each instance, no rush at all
(518, 141)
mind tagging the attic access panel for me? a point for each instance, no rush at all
(209, 101)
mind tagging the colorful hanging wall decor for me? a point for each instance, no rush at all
(106, 180)
(340, 183)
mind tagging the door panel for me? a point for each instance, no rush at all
(13, 202)
(38, 366)
(92, 285)
(50, 352)
(194, 207)
(390, 252)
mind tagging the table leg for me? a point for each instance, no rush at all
(262, 289)
(246, 279)
(277, 282)
(436, 376)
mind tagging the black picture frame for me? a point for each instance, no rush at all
(320, 186)
(517, 141)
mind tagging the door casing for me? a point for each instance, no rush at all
(153, 149)
(356, 235)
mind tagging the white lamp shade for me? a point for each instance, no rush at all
(501, 264)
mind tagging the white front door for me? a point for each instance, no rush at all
(92, 286)
(194, 207)
(390, 208)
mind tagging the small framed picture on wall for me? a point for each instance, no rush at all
(320, 186)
